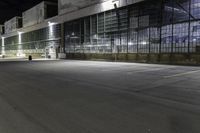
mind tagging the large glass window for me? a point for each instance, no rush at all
(195, 9)
(147, 27)
(133, 29)
(180, 38)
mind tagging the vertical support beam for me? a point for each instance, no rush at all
(62, 44)
(85, 28)
(91, 29)
(161, 21)
(97, 28)
(172, 45)
(119, 28)
(80, 36)
(189, 25)
(149, 40)
(72, 39)
(128, 28)
(138, 25)
(104, 30)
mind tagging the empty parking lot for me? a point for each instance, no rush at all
(98, 97)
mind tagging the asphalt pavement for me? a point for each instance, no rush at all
(70, 96)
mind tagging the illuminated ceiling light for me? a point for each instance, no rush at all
(95, 36)
(144, 43)
(108, 5)
(51, 23)
(130, 43)
(19, 32)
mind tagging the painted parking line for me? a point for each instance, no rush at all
(145, 70)
(182, 74)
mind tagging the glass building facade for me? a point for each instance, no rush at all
(151, 26)
(42, 41)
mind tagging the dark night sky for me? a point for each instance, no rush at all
(11, 8)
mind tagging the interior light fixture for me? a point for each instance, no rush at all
(51, 23)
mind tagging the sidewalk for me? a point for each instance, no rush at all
(24, 59)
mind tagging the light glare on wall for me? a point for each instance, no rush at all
(51, 24)
(3, 46)
(144, 43)
(108, 5)
(20, 48)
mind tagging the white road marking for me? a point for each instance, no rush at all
(142, 71)
(182, 74)
(148, 70)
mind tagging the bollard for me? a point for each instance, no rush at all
(30, 58)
